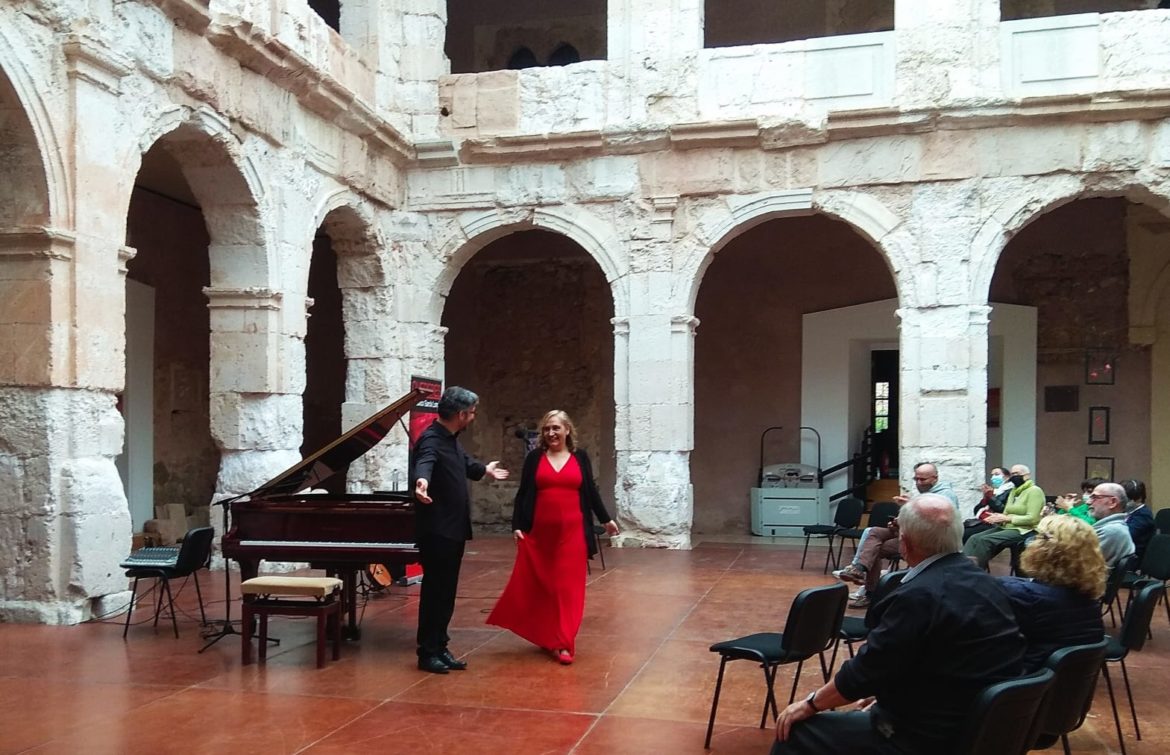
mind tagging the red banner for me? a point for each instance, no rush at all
(427, 410)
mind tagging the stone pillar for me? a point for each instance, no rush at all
(944, 394)
(403, 43)
(257, 377)
(947, 51)
(1158, 490)
(652, 46)
(64, 520)
(653, 363)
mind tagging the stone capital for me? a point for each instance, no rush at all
(242, 298)
(88, 59)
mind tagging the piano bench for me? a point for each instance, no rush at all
(265, 596)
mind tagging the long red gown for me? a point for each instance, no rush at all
(545, 597)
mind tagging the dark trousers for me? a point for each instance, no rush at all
(970, 530)
(441, 559)
(837, 733)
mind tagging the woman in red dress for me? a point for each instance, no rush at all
(553, 527)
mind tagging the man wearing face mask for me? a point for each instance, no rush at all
(1020, 516)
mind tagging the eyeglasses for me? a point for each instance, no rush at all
(922, 479)
(1096, 496)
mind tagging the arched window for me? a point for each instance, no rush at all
(564, 55)
(522, 58)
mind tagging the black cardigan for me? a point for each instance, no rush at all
(524, 507)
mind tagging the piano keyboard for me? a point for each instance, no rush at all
(324, 544)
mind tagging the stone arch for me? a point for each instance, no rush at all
(1033, 198)
(737, 214)
(476, 230)
(31, 150)
(356, 239)
(227, 185)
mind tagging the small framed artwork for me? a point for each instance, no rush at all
(1098, 425)
(1062, 398)
(1099, 466)
(1100, 368)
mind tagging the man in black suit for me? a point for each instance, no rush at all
(440, 470)
(935, 642)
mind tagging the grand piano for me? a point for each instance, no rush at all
(341, 533)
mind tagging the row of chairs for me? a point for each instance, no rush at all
(847, 526)
(817, 623)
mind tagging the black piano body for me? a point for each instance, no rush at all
(342, 533)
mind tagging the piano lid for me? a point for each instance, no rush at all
(338, 455)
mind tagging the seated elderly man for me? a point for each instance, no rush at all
(882, 542)
(1107, 502)
(936, 641)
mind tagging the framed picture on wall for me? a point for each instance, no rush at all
(1099, 466)
(1098, 425)
(1100, 368)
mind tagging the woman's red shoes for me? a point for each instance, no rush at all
(565, 657)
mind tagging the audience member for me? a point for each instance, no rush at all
(882, 542)
(1138, 517)
(1020, 515)
(995, 495)
(1058, 607)
(936, 641)
(1077, 505)
(1108, 501)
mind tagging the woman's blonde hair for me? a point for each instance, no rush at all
(570, 430)
(1066, 552)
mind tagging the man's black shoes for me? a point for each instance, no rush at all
(450, 661)
(433, 664)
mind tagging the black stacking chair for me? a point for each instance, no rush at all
(848, 516)
(1162, 521)
(194, 554)
(1005, 717)
(1134, 628)
(879, 516)
(1113, 585)
(813, 623)
(856, 628)
(1077, 669)
(1156, 564)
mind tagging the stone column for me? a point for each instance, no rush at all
(947, 51)
(650, 44)
(403, 44)
(64, 520)
(257, 377)
(944, 393)
(653, 363)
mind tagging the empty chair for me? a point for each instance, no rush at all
(193, 556)
(1156, 563)
(1162, 521)
(1132, 636)
(856, 628)
(847, 517)
(598, 532)
(813, 622)
(1077, 669)
(1005, 717)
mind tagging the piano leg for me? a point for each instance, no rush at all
(349, 602)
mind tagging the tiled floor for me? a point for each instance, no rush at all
(642, 681)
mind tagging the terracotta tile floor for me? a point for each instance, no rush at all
(642, 682)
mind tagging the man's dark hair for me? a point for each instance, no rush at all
(455, 400)
(1135, 489)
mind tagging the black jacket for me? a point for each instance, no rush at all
(440, 459)
(936, 642)
(524, 507)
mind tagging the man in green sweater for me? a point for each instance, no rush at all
(1020, 515)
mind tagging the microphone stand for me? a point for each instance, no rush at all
(226, 627)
